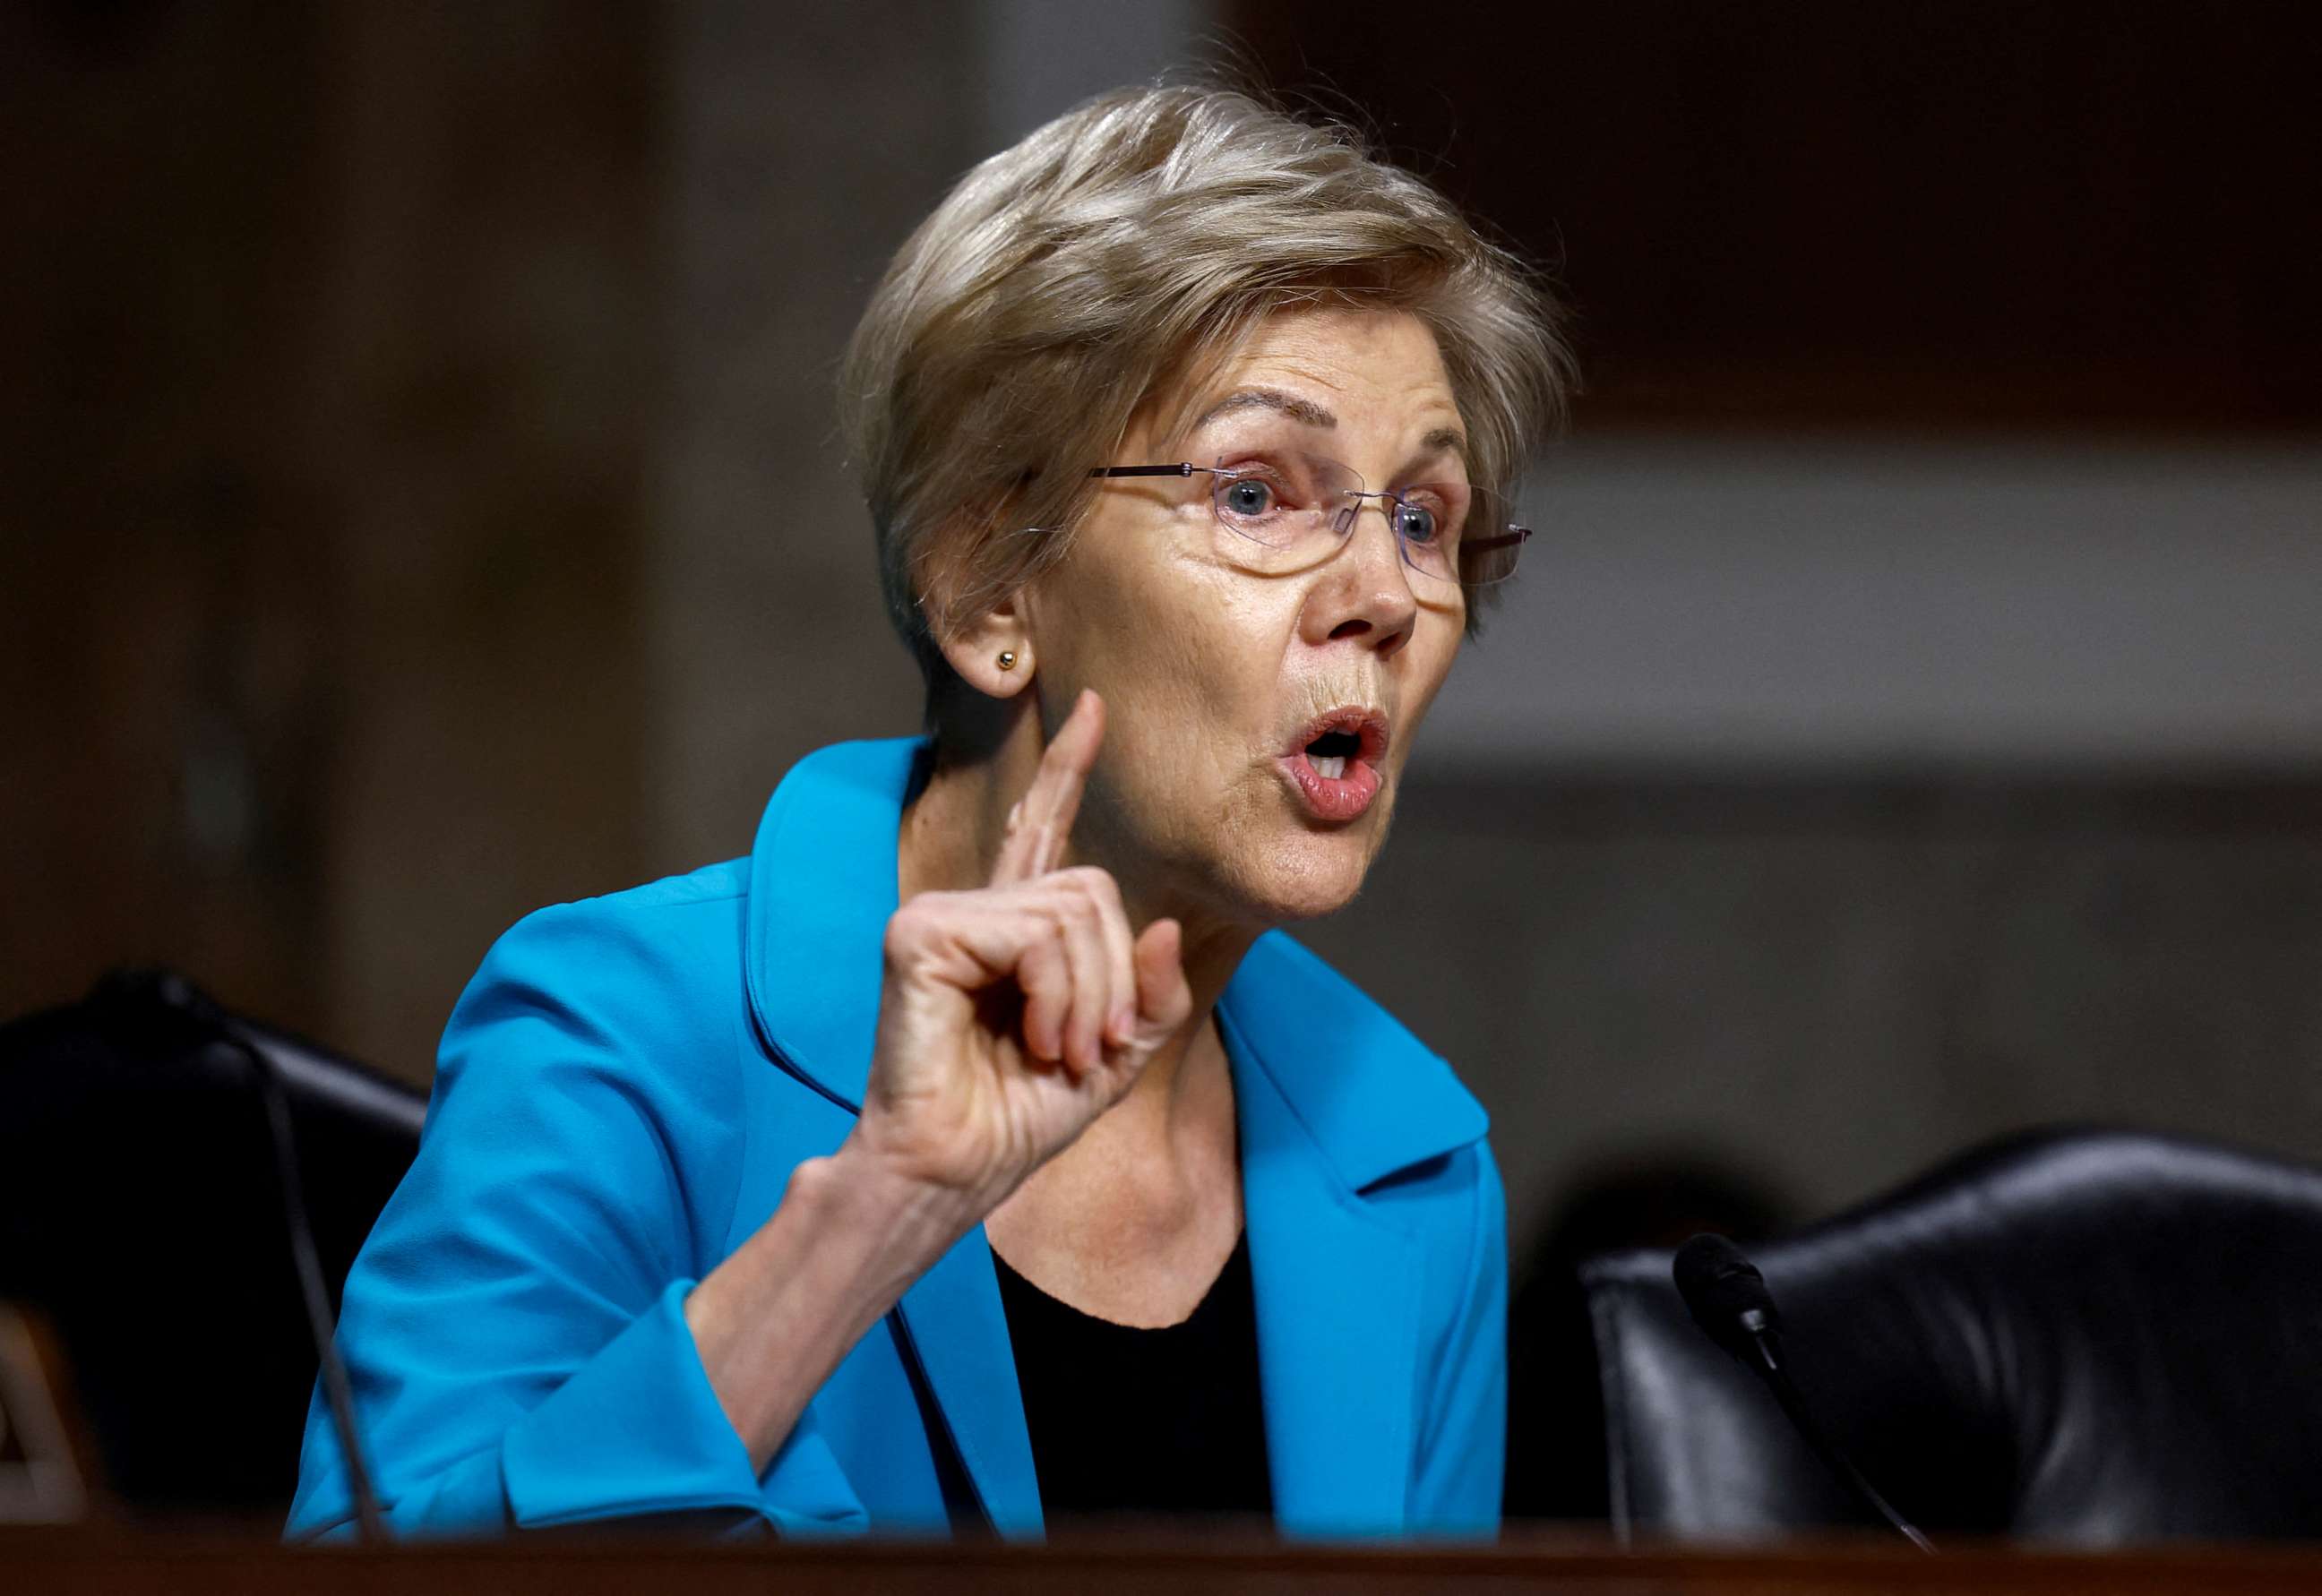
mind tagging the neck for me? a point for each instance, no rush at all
(949, 842)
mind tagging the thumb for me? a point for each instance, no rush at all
(1163, 1000)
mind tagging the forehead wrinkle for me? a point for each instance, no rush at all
(1437, 440)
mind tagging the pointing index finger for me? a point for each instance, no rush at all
(1041, 823)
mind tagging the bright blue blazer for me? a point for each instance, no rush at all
(623, 1092)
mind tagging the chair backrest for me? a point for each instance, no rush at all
(2093, 1338)
(141, 1214)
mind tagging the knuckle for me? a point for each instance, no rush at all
(911, 925)
(1096, 891)
(1064, 902)
(1048, 945)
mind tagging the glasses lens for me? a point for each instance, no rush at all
(1429, 520)
(1286, 511)
(1287, 506)
(1491, 545)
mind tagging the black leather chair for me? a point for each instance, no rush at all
(2085, 1337)
(141, 1213)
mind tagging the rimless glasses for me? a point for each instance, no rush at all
(1291, 511)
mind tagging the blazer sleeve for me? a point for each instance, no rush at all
(514, 1329)
(1463, 1437)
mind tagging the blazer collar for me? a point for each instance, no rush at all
(822, 884)
(1371, 1098)
(1334, 1096)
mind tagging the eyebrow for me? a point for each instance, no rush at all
(1305, 411)
(1448, 439)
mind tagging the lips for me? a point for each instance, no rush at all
(1334, 761)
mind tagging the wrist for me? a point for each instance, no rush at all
(861, 1187)
(850, 1235)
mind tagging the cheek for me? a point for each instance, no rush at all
(1190, 675)
(1188, 660)
(1159, 636)
(1433, 651)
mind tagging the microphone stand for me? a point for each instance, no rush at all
(1727, 1299)
(174, 992)
(1768, 1366)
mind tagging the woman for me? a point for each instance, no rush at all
(1066, 1185)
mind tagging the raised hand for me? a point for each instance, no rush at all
(1013, 1015)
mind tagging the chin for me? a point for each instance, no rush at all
(1309, 873)
(1243, 856)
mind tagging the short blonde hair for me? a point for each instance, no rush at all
(1065, 283)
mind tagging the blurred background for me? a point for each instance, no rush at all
(420, 502)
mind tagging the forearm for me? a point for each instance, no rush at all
(775, 1319)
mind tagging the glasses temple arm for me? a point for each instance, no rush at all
(1514, 534)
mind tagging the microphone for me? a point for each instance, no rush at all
(1727, 1299)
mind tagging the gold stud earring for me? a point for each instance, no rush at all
(1008, 659)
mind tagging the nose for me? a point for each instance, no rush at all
(1363, 591)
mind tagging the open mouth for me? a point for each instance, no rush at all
(1329, 752)
(1335, 765)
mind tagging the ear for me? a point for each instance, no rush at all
(994, 653)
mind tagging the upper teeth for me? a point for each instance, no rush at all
(1330, 767)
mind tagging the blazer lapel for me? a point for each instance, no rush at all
(1338, 1333)
(957, 1331)
(1334, 1096)
(822, 885)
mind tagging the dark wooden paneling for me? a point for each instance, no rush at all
(1971, 212)
(169, 665)
(1147, 1561)
(330, 334)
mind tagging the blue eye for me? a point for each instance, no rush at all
(1249, 496)
(1416, 523)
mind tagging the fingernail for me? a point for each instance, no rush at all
(1124, 1023)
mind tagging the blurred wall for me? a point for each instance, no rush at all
(492, 369)
(786, 191)
(1820, 599)
(1824, 983)
(330, 347)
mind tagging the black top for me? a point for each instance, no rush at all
(1128, 1420)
